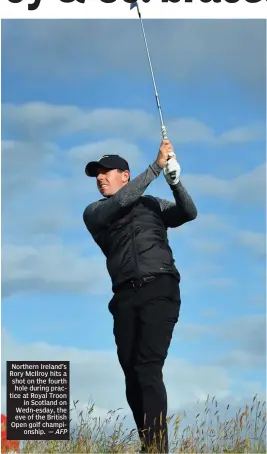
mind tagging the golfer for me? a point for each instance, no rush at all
(131, 230)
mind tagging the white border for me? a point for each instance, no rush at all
(155, 9)
(1, 397)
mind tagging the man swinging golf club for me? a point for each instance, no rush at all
(131, 230)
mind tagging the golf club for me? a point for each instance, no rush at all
(163, 128)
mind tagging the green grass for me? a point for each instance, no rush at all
(210, 433)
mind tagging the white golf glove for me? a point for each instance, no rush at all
(172, 166)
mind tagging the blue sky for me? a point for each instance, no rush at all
(74, 90)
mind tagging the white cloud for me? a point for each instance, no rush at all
(205, 225)
(190, 130)
(52, 267)
(243, 134)
(89, 380)
(23, 164)
(240, 358)
(248, 188)
(206, 246)
(93, 151)
(43, 121)
(192, 331)
(220, 283)
(188, 385)
(255, 242)
(211, 312)
(209, 221)
(247, 335)
(258, 300)
(52, 222)
(187, 130)
(244, 339)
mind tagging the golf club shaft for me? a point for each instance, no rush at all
(163, 128)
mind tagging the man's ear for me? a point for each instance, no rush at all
(126, 176)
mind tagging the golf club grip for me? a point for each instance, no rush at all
(164, 136)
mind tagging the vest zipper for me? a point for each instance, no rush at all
(134, 248)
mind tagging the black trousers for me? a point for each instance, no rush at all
(144, 319)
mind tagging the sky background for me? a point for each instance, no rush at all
(75, 90)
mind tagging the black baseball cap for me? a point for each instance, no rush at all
(111, 161)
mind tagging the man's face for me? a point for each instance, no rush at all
(110, 181)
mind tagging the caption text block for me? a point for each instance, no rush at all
(38, 400)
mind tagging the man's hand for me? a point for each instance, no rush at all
(172, 166)
(165, 152)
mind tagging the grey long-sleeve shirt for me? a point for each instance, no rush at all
(101, 213)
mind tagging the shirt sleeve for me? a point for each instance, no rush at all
(179, 212)
(99, 214)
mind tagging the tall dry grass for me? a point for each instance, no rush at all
(211, 432)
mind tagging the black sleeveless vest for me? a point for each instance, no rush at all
(136, 244)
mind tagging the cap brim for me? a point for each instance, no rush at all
(91, 168)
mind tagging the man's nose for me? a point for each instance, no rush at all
(100, 178)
